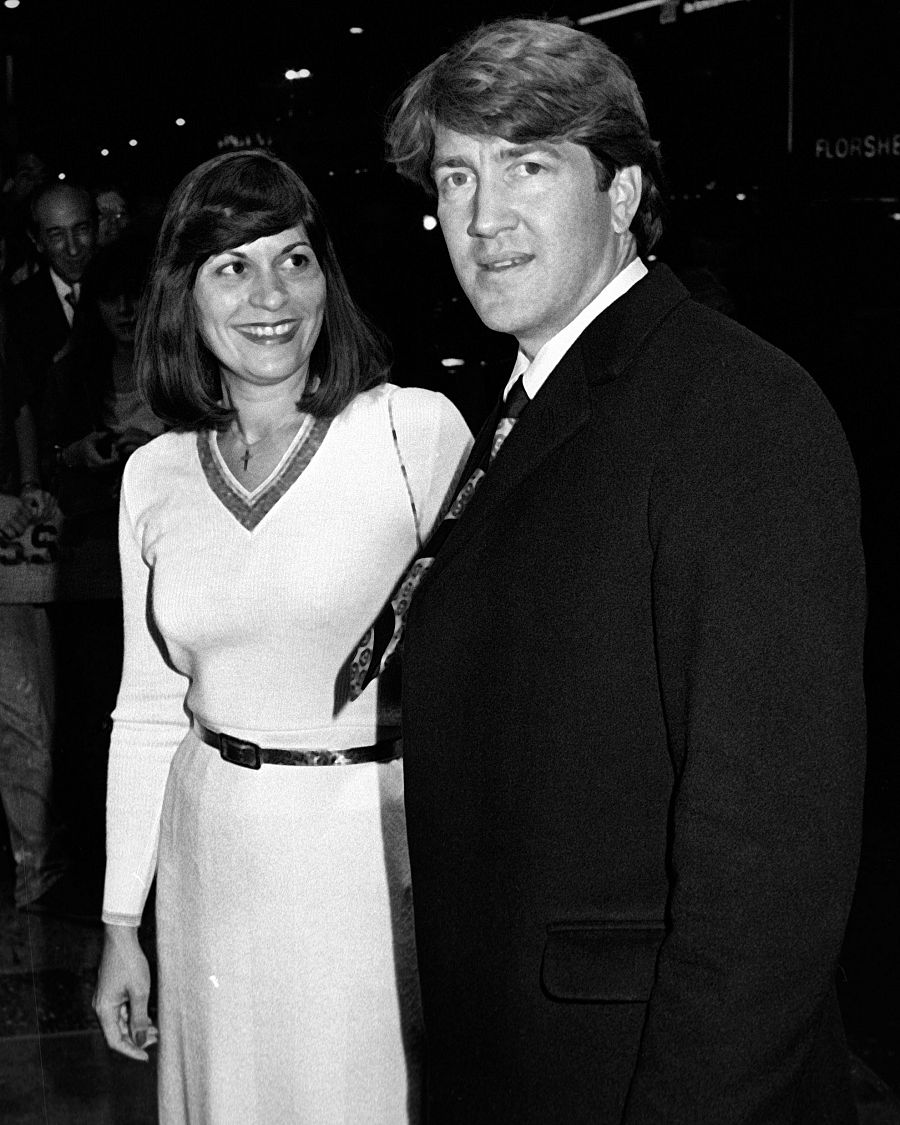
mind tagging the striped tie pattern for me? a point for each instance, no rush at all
(381, 641)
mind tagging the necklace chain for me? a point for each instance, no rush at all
(247, 456)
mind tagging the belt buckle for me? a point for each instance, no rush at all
(238, 752)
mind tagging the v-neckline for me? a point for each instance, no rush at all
(250, 507)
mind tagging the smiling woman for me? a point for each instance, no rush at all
(258, 543)
(260, 308)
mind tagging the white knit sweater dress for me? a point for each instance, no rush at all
(287, 986)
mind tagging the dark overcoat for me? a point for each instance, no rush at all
(634, 742)
(38, 332)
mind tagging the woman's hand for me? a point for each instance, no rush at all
(123, 988)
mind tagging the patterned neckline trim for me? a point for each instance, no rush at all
(249, 508)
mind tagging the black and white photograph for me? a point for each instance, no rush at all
(448, 563)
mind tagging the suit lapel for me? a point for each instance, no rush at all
(604, 351)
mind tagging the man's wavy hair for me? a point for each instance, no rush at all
(229, 201)
(532, 80)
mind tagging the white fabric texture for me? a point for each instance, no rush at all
(247, 630)
(287, 981)
(288, 988)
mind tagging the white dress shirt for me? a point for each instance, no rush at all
(538, 369)
(62, 289)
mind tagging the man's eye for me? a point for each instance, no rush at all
(454, 180)
(529, 168)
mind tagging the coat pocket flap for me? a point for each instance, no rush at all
(607, 962)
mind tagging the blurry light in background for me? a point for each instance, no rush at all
(180, 121)
(104, 152)
(895, 215)
(429, 222)
(10, 3)
(356, 31)
(61, 176)
(452, 362)
(133, 143)
(290, 75)
(741, 196)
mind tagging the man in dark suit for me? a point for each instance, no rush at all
(63, 226)
(633, 708)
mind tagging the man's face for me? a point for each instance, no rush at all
(112, 211)
(532, 238)
(66, 231)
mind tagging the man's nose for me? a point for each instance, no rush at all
(492, 211)
(74, 245)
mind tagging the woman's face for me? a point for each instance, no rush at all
(260, 308)
(119, 315)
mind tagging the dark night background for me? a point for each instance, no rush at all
(779, 209)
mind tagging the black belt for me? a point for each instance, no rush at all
(239, 752)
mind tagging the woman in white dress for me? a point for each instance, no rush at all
(258, 540)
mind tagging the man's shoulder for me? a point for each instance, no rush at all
(693, 373)
(663, 331)
(36, 287)
(33, 299)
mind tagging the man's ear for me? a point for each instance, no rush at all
(625, 196)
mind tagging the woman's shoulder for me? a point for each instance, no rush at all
(164, 453)
(169, 445)
(414, 406)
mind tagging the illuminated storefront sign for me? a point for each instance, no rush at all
(869, 147)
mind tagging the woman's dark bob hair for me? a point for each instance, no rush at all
(228, 201)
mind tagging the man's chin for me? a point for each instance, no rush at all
(497, 317)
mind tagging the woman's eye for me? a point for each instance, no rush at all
(298, 261)
(232, 269)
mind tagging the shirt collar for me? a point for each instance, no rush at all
(62, 288)
(538, 369)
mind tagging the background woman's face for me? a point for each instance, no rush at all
(119, 315)
(260, 308)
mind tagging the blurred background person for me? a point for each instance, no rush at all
(257, 543)
(63, 227)
(26, 679)
(21, 258)
(113, 213)
(93, 417)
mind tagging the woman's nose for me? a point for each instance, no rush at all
(268, 291)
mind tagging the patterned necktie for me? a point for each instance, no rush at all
(381, 641)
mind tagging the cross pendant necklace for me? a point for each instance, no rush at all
(249, 446)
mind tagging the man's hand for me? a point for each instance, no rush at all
(93, 451)
(14, 516)
(126, 443)
(40, 505)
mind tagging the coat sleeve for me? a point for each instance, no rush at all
(759, 605)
